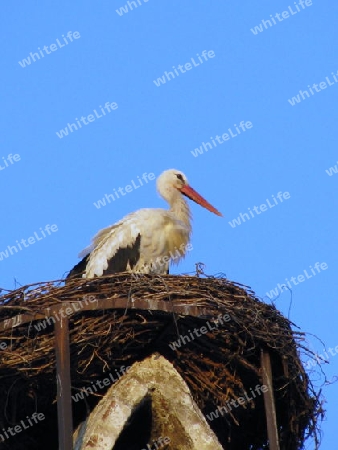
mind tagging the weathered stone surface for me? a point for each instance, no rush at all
(175, 416)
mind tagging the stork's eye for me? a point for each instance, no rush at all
(179, 176)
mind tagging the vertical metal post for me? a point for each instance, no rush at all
(64, 400)
(269, 402)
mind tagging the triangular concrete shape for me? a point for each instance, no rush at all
(176, 422)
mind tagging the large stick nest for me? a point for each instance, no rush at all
(218, 366)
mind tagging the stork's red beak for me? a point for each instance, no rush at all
(196, 197)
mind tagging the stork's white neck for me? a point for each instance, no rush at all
(180, 208)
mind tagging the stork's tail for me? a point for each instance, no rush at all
(78, 270)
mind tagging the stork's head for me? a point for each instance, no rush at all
(172, 182)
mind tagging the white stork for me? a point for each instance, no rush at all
(147, 240)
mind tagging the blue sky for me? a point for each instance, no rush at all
(255, 75)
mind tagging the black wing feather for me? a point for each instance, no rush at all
(118, 263)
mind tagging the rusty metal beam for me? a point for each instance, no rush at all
(64, 399)
(269, 401)
(115, 303)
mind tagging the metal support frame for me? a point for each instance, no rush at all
(64, 399)
(269, 401)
